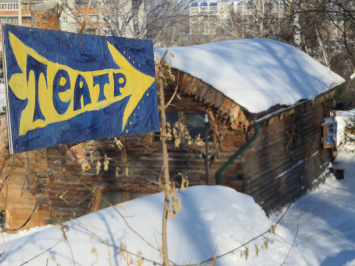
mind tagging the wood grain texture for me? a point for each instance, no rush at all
(21, 202)
(287, 157)
(281, 164)
(4, 143)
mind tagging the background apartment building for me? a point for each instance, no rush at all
(98, 22)
(10, 11)
(207, 17)
(18, 12)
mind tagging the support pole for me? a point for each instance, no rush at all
(166, 179)
(206, 143)
(85, 16)
(19, 12)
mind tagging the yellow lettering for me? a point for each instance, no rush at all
(136, 85)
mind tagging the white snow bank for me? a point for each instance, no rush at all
(2, 96)
(342, 118)
(213, 220)
(4, 237)
(325, 217)
(255, 73)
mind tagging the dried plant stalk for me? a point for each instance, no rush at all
(77, 154)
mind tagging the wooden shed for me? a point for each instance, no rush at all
(273, 154)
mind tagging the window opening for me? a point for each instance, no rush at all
(195, 123)
(137, 195)
(114, 197)
(2, 219)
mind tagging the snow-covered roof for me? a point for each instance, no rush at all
(255, 73)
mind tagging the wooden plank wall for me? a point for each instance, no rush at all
(287, 156)
(140, 162)
(21, 203)
(273, 169)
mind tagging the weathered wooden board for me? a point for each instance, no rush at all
(65, 87)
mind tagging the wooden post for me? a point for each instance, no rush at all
(166, 178)
(4, 143)
(206, 125)
(46, 16)
(85, 16)
(19, 17)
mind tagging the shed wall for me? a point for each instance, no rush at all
(287, 157)
(140, 162)
(279, 165)
(21, 203)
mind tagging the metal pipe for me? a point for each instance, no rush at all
(256, 131)
(235, 155)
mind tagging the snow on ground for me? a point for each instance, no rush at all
(2, 96)
(4, 237)
(213, 220)
(326, 216)
(342, 118)
(255, 73)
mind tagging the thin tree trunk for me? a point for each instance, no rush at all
(166, 184)
(320, 41)
(135, 10)
(296, 24)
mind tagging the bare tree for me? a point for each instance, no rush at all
(142, 19)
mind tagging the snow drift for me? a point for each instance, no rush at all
(2, 96)
(255, 73)
(343, 117)
(213, 220)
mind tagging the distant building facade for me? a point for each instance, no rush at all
(9, 11)
(98, 22)
(206, 17)
(16, 13)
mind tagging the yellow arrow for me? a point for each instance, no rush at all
(135, 86)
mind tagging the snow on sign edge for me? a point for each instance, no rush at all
(255, 73)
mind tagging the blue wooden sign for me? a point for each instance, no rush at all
(66, 87)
